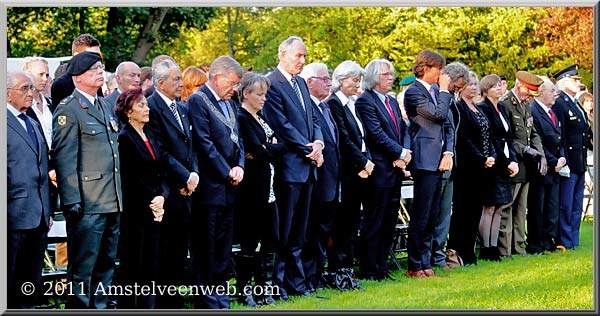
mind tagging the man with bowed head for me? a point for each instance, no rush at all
(85, 150)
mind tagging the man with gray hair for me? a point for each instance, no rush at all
(221, 162)
(127, 75)
(388, 142)
(289, 112)
(459, 76)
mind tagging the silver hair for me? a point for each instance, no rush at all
(373, 71)
(161, 70)
(121, 67)
(312, 69)
(285, 45)
(548, 84)
(13, 76)
(249, 80)
(457, 70)
(346, 69)
(224, 65)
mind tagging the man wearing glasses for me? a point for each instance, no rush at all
(85, 150)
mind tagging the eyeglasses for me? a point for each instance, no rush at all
(94, 68)
(322, 78)
(24, 89)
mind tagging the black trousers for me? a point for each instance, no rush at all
(542, 217)
(318, 234)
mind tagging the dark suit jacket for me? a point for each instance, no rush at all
(523, 134)
(328, 181)
(296, 127)
(349, 139)
(215, 150)
(499, 136)
(254, 189)
(112, 98)
(27, 192)
(426, 122)
(576, 132)
(142, 177)
(469, 142)
(176, 143)
(383, 141)
(551, 140)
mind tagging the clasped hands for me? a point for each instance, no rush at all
(560, 164)
(316, 154)
(236, 175)
(157, 207)
(402, 163)
(191, 185)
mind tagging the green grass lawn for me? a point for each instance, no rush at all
(537, 282)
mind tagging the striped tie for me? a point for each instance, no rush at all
(297, 89)
(173, 108)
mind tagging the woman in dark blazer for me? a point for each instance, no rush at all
(143, 183)
(506, 166)
(476, 156)
(356, 164)
(256, 211)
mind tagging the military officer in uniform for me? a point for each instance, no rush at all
(85, 150)
(530, 155)
(577, 139)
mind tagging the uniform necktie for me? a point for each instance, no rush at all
(327, 115)
(552, 117)
(223, 106)
(389, 107)
(29, 126)
(173, 108)
(297, 90)
(99, 106)
(432, 93)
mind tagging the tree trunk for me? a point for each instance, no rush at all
(148, 35)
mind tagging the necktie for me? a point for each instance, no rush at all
(432, 93)
(552, 117)
(297, 89)
(223, 106)
(30, 131)
(389, 107)
(99, 106)
(328, 119)
(173, 108)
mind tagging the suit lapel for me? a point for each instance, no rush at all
(383, 108)
(166, 113)
(15, 125)
(421, 87)
(546, 117)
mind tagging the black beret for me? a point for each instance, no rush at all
(569, 71)
(82, 62)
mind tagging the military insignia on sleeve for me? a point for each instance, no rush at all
(62, 120)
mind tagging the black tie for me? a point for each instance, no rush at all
(29, 129)
(297, 89)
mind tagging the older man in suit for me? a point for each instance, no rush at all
(289, 112)
(85, 150)
(325, 197)
(171, 128)
(28, 197)
(427, 109)
(127, 76)
(387, 139)
(542, 201)
(577, 139)
(221, 168)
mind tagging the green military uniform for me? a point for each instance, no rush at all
(87, 167)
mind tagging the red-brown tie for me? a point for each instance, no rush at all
(389, 107)
(552, 117)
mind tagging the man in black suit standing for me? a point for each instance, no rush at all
(27, 192)
(221, 168)
(325, 197)
(171, 129)
(127, 75)
(427, 109)
(577, 139)
(388, 142)
(542, 201)
(289, 112)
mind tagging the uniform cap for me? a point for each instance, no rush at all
(407, 80)
(530, 81)
(569, 71)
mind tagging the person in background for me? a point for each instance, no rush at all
(503, 84)
(28, 210)
(41, 107)
(110, 83)
(144, 186)
(586, 100)
(193, 78)
(404, 84)
(127, 76)
(146, 81)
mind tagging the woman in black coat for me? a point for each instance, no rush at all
(506, 166)
(144, 188)
(256, 216)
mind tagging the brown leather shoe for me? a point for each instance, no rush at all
(415, 274)
(429, 272)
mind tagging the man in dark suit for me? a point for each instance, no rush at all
(577, 139)
(388, 142)
(289, 112)
(531, 158)
(221, 168)
(325, 197)
(63, 86)
(427, 109)
(171, 128)
(127, 75)
(85, 150)
(542, 201)
(27, 191)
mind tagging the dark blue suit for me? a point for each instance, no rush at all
(297, 125)
(28, 209)
(383, 201)
(542, 202)
(428, 141)
(181, 161)
(214, 198)
(577, 140)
